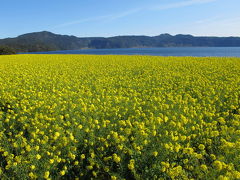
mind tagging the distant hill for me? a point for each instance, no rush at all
(47, 41)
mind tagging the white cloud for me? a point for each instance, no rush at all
(124, 14)
(219, 21)
(218, 26)
(82, 21)
(209, 19)
(180, 4)
(111, 17)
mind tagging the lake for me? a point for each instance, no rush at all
(168, 51)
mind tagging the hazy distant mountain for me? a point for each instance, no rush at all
(47, 41)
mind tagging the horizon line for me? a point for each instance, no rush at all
(184, 34)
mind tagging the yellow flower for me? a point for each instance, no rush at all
(204, 167)
(131, 164)
(37, 148)
(116, 158)
(155, 153)
(59, 159)
(51, 161)
(217, 165)
(154, 133)
(92, 155)
(221, 177)
(201, 147)
(62, 173)
(56, 135)
(113, 178)
(38, 156)
(72, 156)
(5, 153)
(83, 156)
(185, 161)
(106, 169)
(94, 174)
(31, 175)
(28, 148)
(90, 167)
(46, 174)
(213, 156)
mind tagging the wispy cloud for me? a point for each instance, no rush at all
(124, 14)
(180, 4)
(219, 20)
(208, 20)
(97, 18)
(111, 17)
(216, 26)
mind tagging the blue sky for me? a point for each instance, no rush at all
(120, 17)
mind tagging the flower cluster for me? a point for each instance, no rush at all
(119, 117)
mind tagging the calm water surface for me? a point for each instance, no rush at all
(172, 51)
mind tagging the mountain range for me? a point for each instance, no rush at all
(47, 41)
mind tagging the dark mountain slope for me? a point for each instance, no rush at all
(47, 41)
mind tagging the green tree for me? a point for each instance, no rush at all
(5, 50)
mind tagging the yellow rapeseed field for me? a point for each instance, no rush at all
(119, 117)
